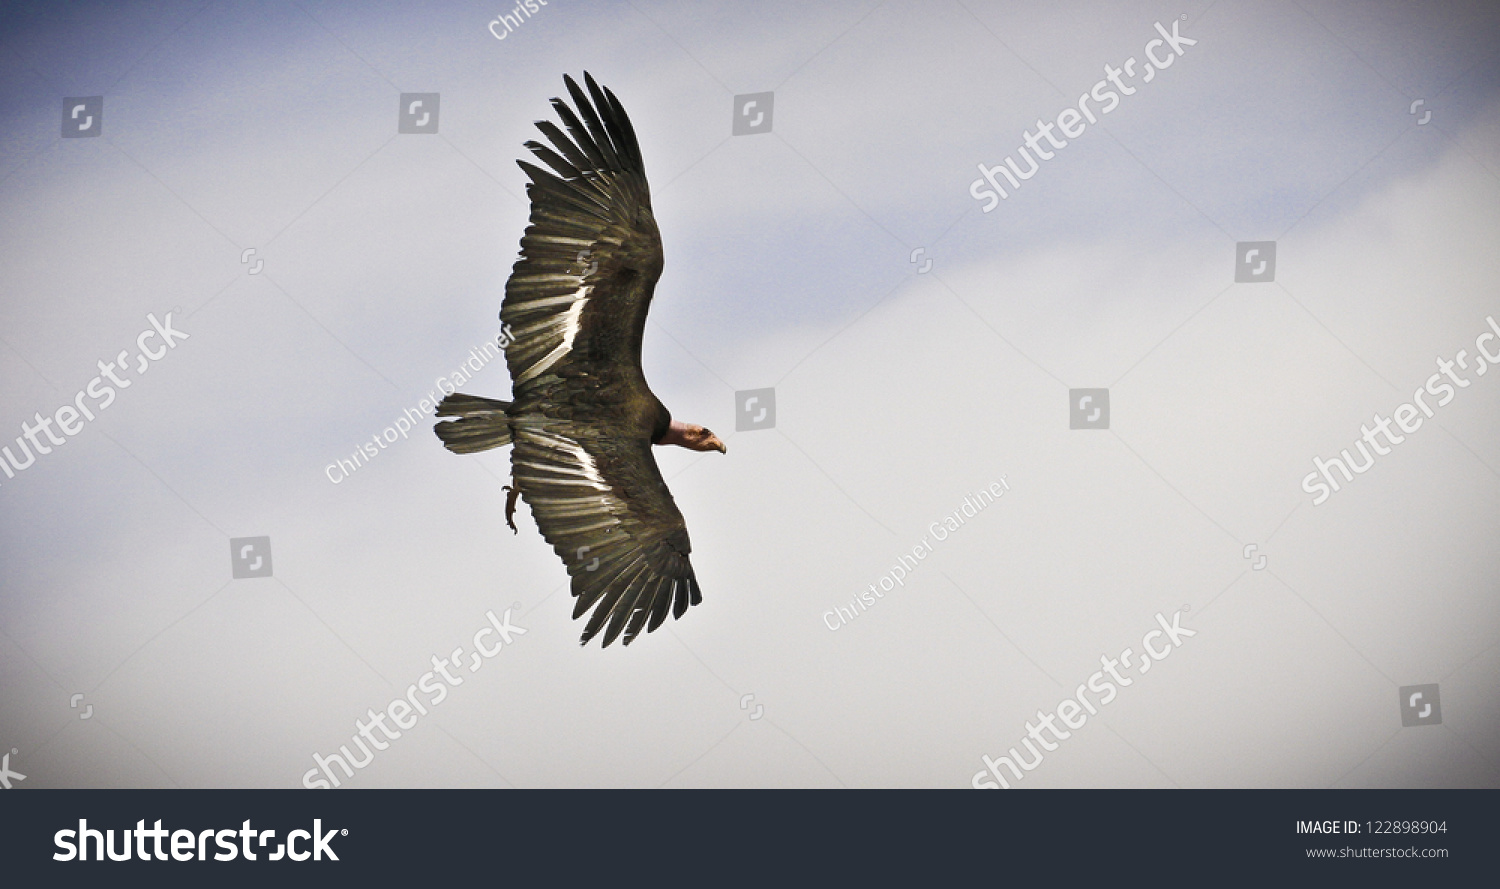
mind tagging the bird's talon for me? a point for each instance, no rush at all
(511, 493)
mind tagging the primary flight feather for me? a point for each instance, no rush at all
(582, 419)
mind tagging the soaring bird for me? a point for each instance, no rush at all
(582, 419)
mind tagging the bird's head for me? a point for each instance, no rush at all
(693, 437)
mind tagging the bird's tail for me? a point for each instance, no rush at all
(482, 423)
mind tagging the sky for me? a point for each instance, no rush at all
(244, 236)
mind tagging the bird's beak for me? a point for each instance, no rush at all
(719, 446)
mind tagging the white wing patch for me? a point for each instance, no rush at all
(570, 322)
(580, 470)
(590, 470)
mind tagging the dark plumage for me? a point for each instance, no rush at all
(583, 419)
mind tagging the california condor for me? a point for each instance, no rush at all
(582, 418)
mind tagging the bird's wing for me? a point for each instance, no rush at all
(601, 502)
(577, 298)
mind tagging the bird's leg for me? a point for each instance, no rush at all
(511, 493)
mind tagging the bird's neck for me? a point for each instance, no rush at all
(676, 434)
